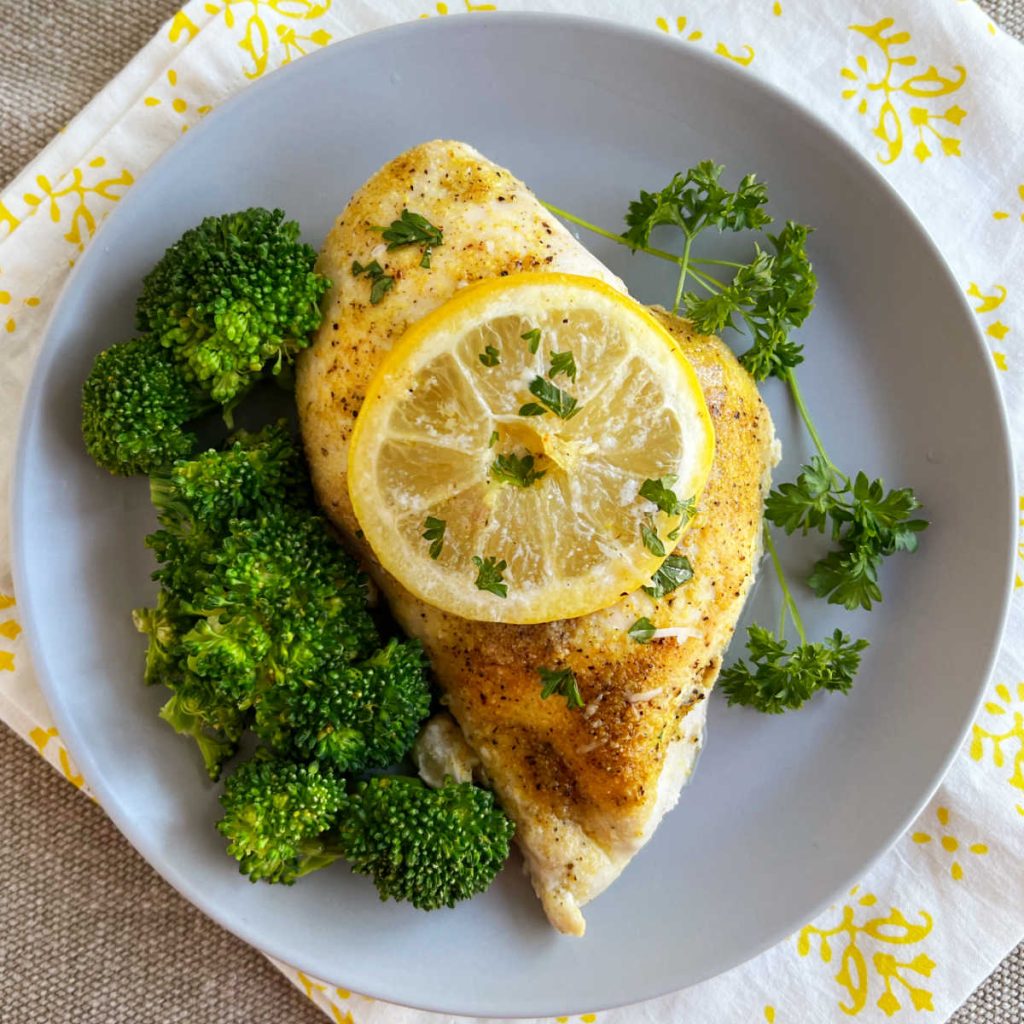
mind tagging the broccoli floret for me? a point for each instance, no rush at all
(234, 297)
(197, 708)
(135, 404)
(275, 815)
(216, 726)
(256, 599)
(217, 486)
(353, 716)
(431, 847)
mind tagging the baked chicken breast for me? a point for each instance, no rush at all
(586, 787)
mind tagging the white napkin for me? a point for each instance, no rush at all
(931, 92)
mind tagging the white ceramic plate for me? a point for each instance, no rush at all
(784, 811)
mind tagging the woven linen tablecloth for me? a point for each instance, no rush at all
(930, 92)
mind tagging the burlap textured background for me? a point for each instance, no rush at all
(88, 932)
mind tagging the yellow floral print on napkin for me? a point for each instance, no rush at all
(1004, 738)
(47, 742)
(176, 101)
(1018, 579)
(77, 197)
(9, 309)
(471, 8)
(876, 931)
(896, 85)
(1005, 214)
(684, 30)
(988, 302)
(9, 630)
(949, 843)
(271, 33)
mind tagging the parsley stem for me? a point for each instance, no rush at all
(717, 263)
(572, 218)
(684, 264)
(710, 283)
(605, 233)
(798, 399)
(788, 601)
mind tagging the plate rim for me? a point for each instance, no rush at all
(77, 746)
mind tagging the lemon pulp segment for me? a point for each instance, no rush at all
(455, 415)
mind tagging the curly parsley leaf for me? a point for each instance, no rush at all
(560, 402)
(516, 469)
(412, 229)
(434, 532)
(782, 679)
(562, 682)
(660, 492)
(381, 283)
(674, 572)
(489, 575)
(532, 338)
(532, 409)
(867, 522)
(562, 362)
(642, 631)
(696, 200)
(651, 540)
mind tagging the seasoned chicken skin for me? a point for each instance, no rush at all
(587, 787)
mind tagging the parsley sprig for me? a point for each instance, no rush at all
(381, 283)
(552, 399)
(780, 678)
(412, 229)
(434, 532)
(490, 575)
(770, 295)
(767, 298)
(561, 681)
(516, 469)
(674, 572)
(867, 522)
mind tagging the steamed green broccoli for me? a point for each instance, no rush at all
(234, 297)
(232, 301)
(257, 597)
(430, 847)
(276, 814)
(135, 404)
(218, 485)
(351, 716)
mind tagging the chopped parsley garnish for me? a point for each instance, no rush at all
(434, 532)
(412, 229)
(532, 338)
(532, 409)
(651, 540)
(661, 493)
(493, 439)
(490, 356)
(642, 631)
(554, 398)
(562, 362)
(562, 682)
(516, 469)
(374, 272)
(489, 575)
(674, 572)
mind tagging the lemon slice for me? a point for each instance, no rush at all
(498, 460)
